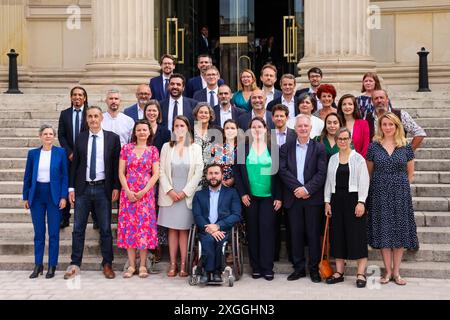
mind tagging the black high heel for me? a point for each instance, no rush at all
(50, 273)
(38, 270)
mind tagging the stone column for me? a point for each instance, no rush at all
(337, 40)
(123, 48)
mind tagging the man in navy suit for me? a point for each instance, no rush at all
(216, 209)
(71, 123)
(225, 110)
(176, 104)
(203, 42)
(268, 78)
(143, 95)
(199, 82)
(159, 86)
(303, 170)
(287, 98)
(210, 93)
(94, 182)
(258, 103)
(315, 79)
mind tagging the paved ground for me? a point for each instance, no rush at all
(91, 285)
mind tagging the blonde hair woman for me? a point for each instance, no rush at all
(391, 224)
(241, 98)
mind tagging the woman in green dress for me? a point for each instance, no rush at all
(333, 123)
(241, 98)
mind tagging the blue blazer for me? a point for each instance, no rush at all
(65, 129)
(161, 136)
(235, 114)
(229, 209)
(157, 88)
(278, 101)
(245, 119)
(196, 84)
(132, 112)
(315, 172)
(201, 95)
(59, 175)
(188, 106)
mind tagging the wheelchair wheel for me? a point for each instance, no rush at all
(238, 254)
(193, 280)
(192, 255)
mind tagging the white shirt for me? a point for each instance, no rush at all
(99, 160)
(204, 84)
(316, 126)
(281, 137)
(43, 175)
(290, 105)
(171, 107)
(225, 115)
(140, 112)
(208, 94)
(122, 125)
(269, 96)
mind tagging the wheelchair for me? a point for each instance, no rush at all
(232, 257)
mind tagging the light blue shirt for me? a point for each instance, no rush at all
(300, 155)
(213, 205)
(74, 117)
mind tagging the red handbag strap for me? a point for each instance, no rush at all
(326, 241)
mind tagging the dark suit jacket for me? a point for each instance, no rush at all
(229, 208)
(278, 101)
(201, 95)
(65, 129)
(59, 176)
(157, 88)
(162, 136)
(277, 94)
(245, 119)
(132, 112)
(196, 84)
(235, 114)
(242, 183)
(111, 153)
(315, 173)
(188, 106)
(203, 48)
(291, 135)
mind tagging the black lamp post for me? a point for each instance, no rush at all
(423, 71)
(13, 84)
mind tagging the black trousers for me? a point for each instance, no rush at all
(261, 219)
(304, 222)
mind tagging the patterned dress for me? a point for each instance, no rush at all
(224, 155)
(391, 221)
(137, 221)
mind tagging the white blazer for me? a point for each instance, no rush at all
(194, 176)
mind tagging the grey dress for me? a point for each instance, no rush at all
(177, 216)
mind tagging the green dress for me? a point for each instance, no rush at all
(330, 150)
(259, 173)
(239, 101)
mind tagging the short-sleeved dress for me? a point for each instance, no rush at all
(137, 221)
(391, 221)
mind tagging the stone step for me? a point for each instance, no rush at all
(11, 187)
(36, 123)
(436, 132)
(439, 122)
(432, 165)
(14, 152)
(19, 132)
(431, 218)
(25, 232)
(423, 177)
(14, 142)
(434, 235)
(431, 203)
(429, 142)
(20, 215)
(13, 163)
(11, 174)
(430, 190)
(433, 153)
(38, 114)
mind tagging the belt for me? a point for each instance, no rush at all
(95, 183)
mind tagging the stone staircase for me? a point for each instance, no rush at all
(20, 117)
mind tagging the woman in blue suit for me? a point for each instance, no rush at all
(45, 189)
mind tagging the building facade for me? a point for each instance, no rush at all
(99, 43)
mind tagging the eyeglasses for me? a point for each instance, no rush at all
(343, 139)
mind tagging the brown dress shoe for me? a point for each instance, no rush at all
(108, 272)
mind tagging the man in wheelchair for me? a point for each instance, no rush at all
(216, 209)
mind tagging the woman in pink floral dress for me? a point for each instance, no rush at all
(138, 173)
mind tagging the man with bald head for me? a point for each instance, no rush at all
(258, 106)
(381, 105)
(143, 95)
(225, 110)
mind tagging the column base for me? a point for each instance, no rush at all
(101, 75)
(344, 73)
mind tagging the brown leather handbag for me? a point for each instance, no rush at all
(325, 269)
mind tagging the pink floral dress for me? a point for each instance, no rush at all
(137, 226)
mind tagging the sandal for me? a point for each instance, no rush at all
(183, 272)
(143, 272)
(129, 273)
(361, 283)
(333, 279)
(173, 270)
(398, 280)
(385, 279)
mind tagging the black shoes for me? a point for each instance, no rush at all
(50, 273)
(64, 224)
(360, 283)
(269, 277)
(333, 279)
(296, 275)
(315, 277)
(256, 275)
(38, 270)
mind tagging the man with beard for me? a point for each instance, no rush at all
(380, 101)
(225, 110)
(116, 121)
(258, 104)
(195, 84)
(268, 78)
(214, 228)
(143, 95)
(159, 86)
(315, 79)
(176, 104)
